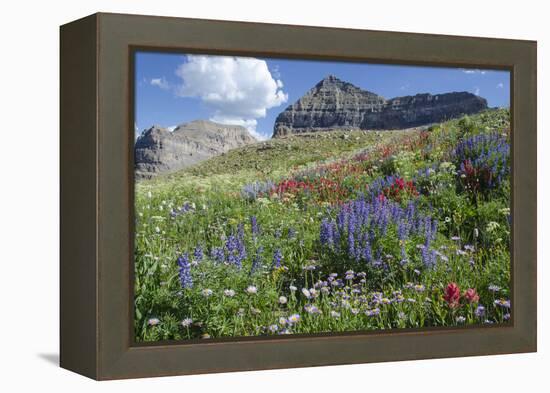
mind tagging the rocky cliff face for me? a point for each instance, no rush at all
(334, 104)
(158, 150)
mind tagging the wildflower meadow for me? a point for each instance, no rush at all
(330, 232)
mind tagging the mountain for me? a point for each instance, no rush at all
(333, 103)
(158, 150)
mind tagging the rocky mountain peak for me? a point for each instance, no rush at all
(158, 150)
(336, 104)
(332, 83)
(330, 80)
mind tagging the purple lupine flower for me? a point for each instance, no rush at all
(402, 230)
(277, 256)
(367, 251)
(240, 231)
(186, 280)
(326, 235)
(488, 155)
(217, 254)
(291, 233)
(434, 228)
(241, 253)
(198, 253)
(351, 245)
(255, 228)
(335, 236)
(255, 190)
(360, 225)
(257, 260)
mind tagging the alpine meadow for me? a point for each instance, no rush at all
(358, 213)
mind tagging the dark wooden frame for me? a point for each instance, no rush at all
(97, 194)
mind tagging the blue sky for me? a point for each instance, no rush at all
(176, 88)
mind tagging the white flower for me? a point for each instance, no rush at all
(157, 229)
(207, 292)
(153, 321)
(335, 314)
(186, 322)
(282, 299)
(306, 292)
(252, 290)
(229, 292)
(293, 288)
(149, 195)
(492, 226)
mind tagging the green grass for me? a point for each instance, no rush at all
(328, 169)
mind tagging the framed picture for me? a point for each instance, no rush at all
(242, 196)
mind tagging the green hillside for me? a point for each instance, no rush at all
(331, 231)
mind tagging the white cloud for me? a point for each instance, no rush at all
(249, 124)
(406, 86)
(236, 90)
(275, 71)
(476, 91)
(500, 85)
(160, 82)
(473, 71)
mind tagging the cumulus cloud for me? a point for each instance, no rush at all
(249, 124)
(160, 82)
(473, 71)
(476, 91)
(236, 90)
(276, 72)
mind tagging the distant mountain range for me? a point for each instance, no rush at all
(158, 150)
(331, 104)
(335, 104)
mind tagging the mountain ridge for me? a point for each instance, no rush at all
(159, 150)
(334, 104)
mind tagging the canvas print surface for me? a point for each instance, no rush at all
(277, 197)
